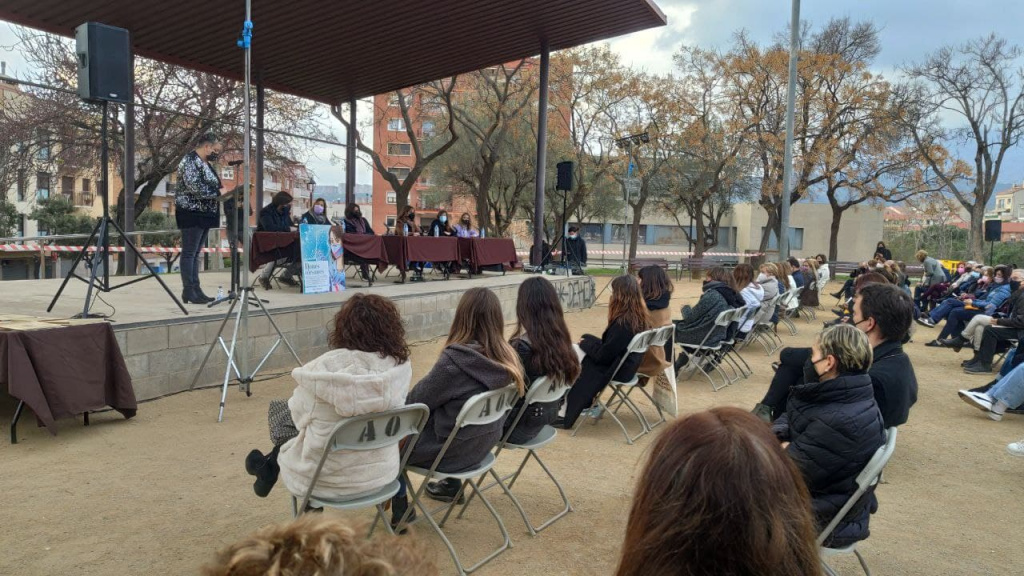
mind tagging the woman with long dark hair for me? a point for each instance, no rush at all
(627, 317)
(718, 495)
(317, 214)
(406, 226)
(657, 291)
(475, 359)
(545, 348)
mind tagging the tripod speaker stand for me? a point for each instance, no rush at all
(99, 242)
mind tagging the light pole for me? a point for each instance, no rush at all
(312, 190)
(628, 142)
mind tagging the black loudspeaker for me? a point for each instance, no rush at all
(564, 176)
(993, 230)
(104, 62)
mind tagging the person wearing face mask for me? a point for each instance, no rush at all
(885, 252)
(884, 313)
(197, 210)
(276, 217)
(832, 427)
(442, 227)
(576, 250)
(984, 301)
(991, 332)
(354, 223)
(464, 229)
(405, 225)
(317, 214)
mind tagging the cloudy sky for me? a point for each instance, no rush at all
(909, 30)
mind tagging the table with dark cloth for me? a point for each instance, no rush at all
(404, 249)
(482, 252)
(271, 246)
(65, 371)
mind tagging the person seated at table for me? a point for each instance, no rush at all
(832, 427)
(442, 227)
(354, 222)
(719, 495)
(405, 225)
(317, 214)
(627, 317)
(366, 370)
(274, 217)
(476, 359)
(541, 338)
(576, 250)
(464, 229)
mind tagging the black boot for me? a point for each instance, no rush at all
(958, 343)
(189, 296)
(265, 469)
(203, 298)
(446, 490)
(399, 505)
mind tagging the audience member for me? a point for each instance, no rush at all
(809, 272)
(832, 427)
(884, 313)
(824, 273)
(719, 295)
(795, 271)
(995, 291)
(786, 275)
(751, 292)
(317, 214)
(987, 334)
(657, 290)
(932, 273)
(476, 358)
(1006, 393)
(718, 495)
(276, 217)
(542, 341)
(367, 370)
(314, 545)
(847, 289)
(885, 252)
(767, 277)
(627, 317)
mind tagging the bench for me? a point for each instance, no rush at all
(636, 264)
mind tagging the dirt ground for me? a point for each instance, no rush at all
(160, 493)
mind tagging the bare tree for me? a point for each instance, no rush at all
(981, 84)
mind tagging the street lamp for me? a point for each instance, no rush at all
(311, 186)
(628, 142)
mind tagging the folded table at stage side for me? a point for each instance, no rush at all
(488, 252)
(65, 371)
(271, 246)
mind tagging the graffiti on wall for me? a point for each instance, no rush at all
(577, 293)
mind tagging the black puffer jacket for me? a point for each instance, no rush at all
(834, 428)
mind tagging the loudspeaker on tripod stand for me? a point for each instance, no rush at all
(104, 62)
(993, 230)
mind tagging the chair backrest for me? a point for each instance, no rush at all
(642, 341)
(486, 407)
(867, 478)
(726, 317)
(663, 335)
(543, 389)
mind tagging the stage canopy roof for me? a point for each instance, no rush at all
(334, 51)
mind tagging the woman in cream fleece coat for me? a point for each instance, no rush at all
(367, 370)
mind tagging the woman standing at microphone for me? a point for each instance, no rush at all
(196, 211)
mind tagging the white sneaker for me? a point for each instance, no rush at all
(926, 321)
(1016, 448)
(983, 402)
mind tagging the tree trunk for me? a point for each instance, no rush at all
(698, 247)
(483, 213)
(766, 233)
(833, 237)
(634, 232)
(978, 232)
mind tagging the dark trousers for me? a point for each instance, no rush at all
(992, 339)
(789, 374)
(192, 242)
(588, 386)
(957, 321)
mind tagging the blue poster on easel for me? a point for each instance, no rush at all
(323, 263)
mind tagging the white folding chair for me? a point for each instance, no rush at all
(662, 336)
(703, 357)
(730, 351)
(639, 344)
(367, 432)
(764, 330)
(543, 390)
(868, 478)
(785, 313)
(481, 409)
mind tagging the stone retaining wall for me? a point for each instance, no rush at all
(163, 357)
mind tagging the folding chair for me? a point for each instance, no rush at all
(662, 336)
(730, 353)
(866, 480)
(763, 331)
(367, 432)
(785, 314)
(703, 357)
(639, 344)
(483, 408)
(543, 390)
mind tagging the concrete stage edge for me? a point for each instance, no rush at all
(162, 347)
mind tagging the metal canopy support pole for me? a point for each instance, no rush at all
(130, 265)
(243, 334)
(787, 174)
(260, 104)
(350, 155)
(537, 255)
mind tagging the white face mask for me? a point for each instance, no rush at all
(762, 278)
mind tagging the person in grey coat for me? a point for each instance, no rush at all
(476, 359)
(719, 296)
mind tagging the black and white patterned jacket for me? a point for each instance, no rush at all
(198, 186)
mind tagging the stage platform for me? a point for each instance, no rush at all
(163, 347)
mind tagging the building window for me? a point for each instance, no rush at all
(167, 208)
(43, 154)
(399, 149)
(593, 233)
(402, 173)
(393, 99)
(389, 221)
(617, 233)
(275, 178)
(668, 236)
(424, 180)
(227, 173)
(21, 226)
(67, 185)
(42, 186)
(796, 239)
(391, 198)
(86, 184)
(22, 185)
(396, 124)
(427, 129)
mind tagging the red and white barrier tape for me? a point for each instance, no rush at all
(143, 249)
(652, 253)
